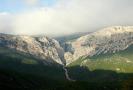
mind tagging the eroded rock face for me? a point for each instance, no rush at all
(43, 47)
(108, 40)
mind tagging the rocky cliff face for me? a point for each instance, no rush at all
(42, 47)
(108, 40)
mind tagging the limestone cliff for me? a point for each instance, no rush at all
(108, 40)
(42, 47)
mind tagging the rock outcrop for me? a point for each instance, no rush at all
(49, 50)
(108, 40)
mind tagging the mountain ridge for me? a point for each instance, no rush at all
(107, 40)
(39, 47)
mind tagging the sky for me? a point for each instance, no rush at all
(63, 17)
(14, 6)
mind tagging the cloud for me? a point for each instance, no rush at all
(70, 16)
(6, 22)
(32, 2)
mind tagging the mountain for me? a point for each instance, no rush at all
(108, 40)
(120, 62)
(70, 37)
(47, 49)
(20, 71)
(13, 61)
(100, 60)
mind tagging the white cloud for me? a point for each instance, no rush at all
(69, 16)
(5, 22)
(31, 2)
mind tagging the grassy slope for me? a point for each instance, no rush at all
(10, 60)
(21, 71)
(25, 73)
(119, 62)
(111, 71)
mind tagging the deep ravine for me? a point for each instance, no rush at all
(67, 75)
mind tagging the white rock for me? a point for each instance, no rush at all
(49, 50)
(108, 40)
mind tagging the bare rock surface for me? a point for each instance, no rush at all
(108, 40)
(41, 47)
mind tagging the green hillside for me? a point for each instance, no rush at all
(25, 64)
(119, 62)
(22, 72)
(105, 67)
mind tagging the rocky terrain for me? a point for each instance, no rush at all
(49, 50)
(41, 63)
(108, 40)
